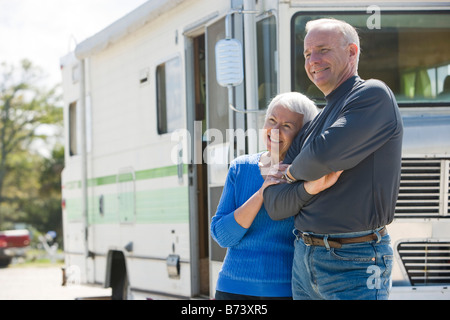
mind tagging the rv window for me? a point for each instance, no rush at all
(168, 86)
(267, 62)
(409, 51)
(73, 144)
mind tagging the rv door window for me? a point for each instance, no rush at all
(409, 51)
(73, 129)
(267, 60)
(168, 86)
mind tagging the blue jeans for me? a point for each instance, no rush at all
(220, 295)
(355, 271)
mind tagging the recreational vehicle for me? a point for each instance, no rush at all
(158, 103)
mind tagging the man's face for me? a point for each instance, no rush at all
(329, 61)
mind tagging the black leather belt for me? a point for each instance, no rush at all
(311, 240)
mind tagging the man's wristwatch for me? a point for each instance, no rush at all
(288, 179)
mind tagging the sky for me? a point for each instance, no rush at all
(43, 31)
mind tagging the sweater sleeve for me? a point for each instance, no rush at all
(285, 200)
(224, 228)
(365, 123)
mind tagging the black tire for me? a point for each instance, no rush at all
(4, 262)
(119, 280)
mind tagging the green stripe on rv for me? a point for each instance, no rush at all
(169, 205)
(139, 175)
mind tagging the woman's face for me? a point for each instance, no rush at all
(280, 128)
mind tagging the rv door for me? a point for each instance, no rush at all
(218, 120)
(222, 144)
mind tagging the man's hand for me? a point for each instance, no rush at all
(316, 186)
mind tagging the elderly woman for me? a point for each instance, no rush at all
(259, 250)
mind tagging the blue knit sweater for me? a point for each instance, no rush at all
(259, 259)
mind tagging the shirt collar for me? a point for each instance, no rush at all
(342, 89)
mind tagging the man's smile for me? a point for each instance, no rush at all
(319, 70)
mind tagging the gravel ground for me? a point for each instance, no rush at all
(43, 283)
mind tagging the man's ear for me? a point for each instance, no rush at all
(353, 50)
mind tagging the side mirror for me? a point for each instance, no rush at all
(229, 62)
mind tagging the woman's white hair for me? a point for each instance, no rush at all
(296, 102)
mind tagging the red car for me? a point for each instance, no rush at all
(13, 244)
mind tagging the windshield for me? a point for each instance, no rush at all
(410, 52)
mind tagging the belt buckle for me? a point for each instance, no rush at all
(307, 239)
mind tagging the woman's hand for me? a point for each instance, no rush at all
(246, 213)
(316, 186)
(273, 176)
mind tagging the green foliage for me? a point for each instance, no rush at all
(29, 182)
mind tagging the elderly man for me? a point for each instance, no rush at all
(342, 249)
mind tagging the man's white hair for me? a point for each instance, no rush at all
(349, 33)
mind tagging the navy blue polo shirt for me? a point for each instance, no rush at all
(359, 131)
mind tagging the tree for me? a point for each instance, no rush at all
(24, 106)
(50, 216)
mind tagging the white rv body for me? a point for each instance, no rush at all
(148, 133)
